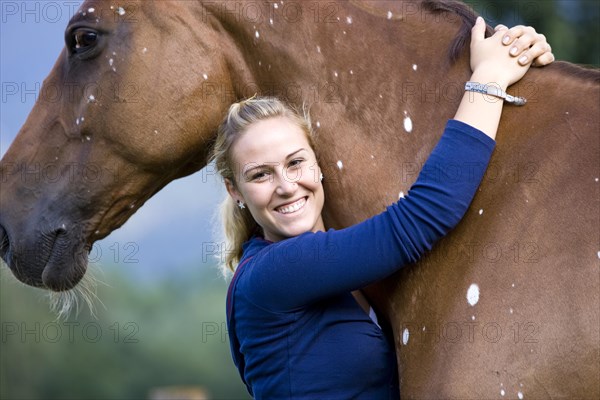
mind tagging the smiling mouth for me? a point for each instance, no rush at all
(292, 208)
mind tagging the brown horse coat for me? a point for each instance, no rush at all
(506, 305)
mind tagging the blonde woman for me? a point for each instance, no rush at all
(298, 325)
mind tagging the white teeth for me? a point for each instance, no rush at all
(292, 207)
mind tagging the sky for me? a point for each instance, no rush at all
(166, 235)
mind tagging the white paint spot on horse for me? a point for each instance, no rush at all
(473, 294)
(348, 20)
(472, 317)
(423, 328)
(372, 156)
(155, 132)
(271, 21)
(97, 232)
(480, 211)
(145, 50)
(599, 254)
(318, 124)
(351, 72)
(596, 180)
(132, 205)
(257, 34)
(401, 195)
(110, 62)
(335, 74)
(205, 76)
(405, 335)
(112, 7)
(318, 49)
(520, 395)
(91, 98)
(114, 54)
(121, 11)
(344, 32)
(415, 67)
(502, 392)
(88, 138)
(510, 310)
(408, 125)
(276, 6)
(513, 285)
(77, 121)
(567, 113)
(340, 165)
(389, 15)
(91, 10)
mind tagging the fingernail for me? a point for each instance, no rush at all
(506, 39)
(479, 20)
(523, 59)
(514, 50)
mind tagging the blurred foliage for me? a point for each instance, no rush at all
(146, 337)
(572, 27)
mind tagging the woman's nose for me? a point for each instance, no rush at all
(285, 185)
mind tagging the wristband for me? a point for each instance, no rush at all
(494, 91)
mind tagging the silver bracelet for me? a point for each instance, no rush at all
(494, 91)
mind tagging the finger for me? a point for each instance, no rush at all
(539, 48)
(500, 27)
(513, 33)
(526, 41)
(544, 59)
(478, 30)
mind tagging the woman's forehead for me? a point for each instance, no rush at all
(270, 140)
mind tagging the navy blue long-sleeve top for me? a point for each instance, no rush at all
(296, 331)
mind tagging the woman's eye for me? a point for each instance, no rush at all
(84, 38)
(295, 163)
(259, 176)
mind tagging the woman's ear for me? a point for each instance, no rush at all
(232, 190)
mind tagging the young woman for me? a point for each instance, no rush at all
(296, 331)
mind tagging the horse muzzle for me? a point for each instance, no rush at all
(55, 259)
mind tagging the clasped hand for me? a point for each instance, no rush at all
(504, 57)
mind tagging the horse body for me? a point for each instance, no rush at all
(525, 254)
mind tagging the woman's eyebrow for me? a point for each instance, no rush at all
(270, 164)
(297, 151)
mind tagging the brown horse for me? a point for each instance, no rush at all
(506, 306)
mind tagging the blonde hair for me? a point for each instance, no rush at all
(238, 224)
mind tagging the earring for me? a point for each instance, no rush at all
(321, 177)
(241, 205)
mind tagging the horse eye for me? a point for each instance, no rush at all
(84, 38)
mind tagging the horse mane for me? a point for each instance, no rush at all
(468, 17)
(466, 14)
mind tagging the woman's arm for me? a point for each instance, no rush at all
(294, 272)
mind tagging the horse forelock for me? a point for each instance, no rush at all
(467, 16)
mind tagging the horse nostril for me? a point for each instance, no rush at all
(61, 230)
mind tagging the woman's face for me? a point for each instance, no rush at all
(278, 179)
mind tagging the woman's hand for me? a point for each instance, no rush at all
(504, 57)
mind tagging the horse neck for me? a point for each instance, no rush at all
(293, 49)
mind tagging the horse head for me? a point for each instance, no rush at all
(101, 138)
